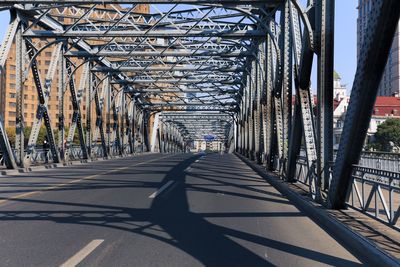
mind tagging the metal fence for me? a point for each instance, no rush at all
(302, 170)
(375, 187)
(376, 193)
(41, 156)
(381, 161)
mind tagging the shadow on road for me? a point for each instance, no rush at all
(188, 231)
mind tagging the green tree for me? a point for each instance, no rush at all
(387, 132)
(11, 133)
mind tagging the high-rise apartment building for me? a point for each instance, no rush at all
(390, 83)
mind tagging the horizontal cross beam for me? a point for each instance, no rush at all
(152, 34)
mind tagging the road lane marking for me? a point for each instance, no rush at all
(162, 188)
(82, 254)
(4, 200)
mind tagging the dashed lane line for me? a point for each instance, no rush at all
(82, 254)
(162, 188)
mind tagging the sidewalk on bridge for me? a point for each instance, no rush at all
(372, 240)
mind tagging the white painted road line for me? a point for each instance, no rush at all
(161, 189)
(83, 253)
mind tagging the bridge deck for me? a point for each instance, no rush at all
(212, 211)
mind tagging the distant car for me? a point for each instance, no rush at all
(201, 153)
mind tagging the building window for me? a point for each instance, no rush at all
(12, 113)
(11, 123)
(12, 95)
(12, 104)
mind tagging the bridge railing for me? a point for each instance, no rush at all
(376, 193)
(302, 174)
(375, 188)
(378, 160)
(42, 156)
(381, 160)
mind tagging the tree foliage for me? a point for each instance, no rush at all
(11, 133)
(387, 135)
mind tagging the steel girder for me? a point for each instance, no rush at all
(382, 22)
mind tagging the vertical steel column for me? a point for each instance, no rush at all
(325, 32)
(236, 133)
(267, 105)
(286, 97)
(167, 133)
(117, 121)
(19, 119)
(253, 92)
(278, 60)
(259, 83)
(261, 97)
(128, 115)
(382, 23)
(296, 125)
(153, 139)
(146, 129)
(242, 124)
(122, 121)
(108, 118)
(91, 84)
(133, 127)
(244, 112)
(161, 136)
(60, 94)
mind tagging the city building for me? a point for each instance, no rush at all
(209, 145)
(385, 107)
(390, 83)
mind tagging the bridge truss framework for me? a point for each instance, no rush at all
(159, 79)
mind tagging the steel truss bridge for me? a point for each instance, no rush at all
(157, 80)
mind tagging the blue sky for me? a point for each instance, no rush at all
(345, 40)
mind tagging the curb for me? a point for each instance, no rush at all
(362, 248)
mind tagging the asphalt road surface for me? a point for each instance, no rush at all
(157, 210)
